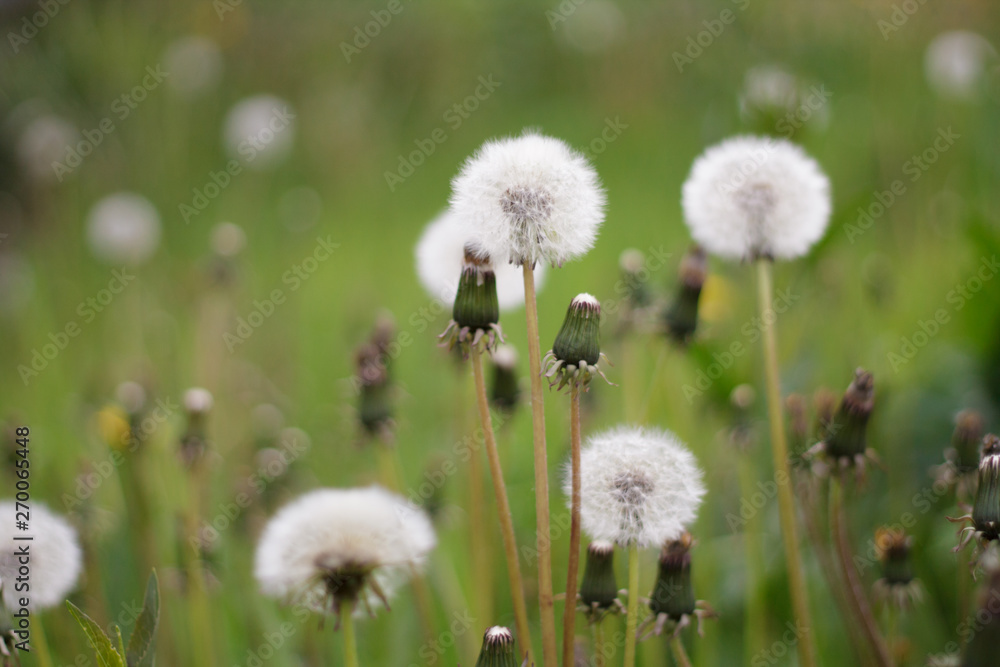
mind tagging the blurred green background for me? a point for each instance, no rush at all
(361, 108)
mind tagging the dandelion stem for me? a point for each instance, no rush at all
(347, 629)
(478, 535)
(199, 613)
(39, 644)
(679, 653)
(632, 617)
(599, 642)
(569, 612)
(779, 450)
(755, 605)
(503, 508)
(543, 534)
(856, 595)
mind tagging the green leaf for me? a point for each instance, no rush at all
(107, 655)
(142, 644)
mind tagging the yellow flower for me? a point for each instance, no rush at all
(112, 423)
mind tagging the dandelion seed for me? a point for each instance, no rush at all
(752, 197)
(333, 547)
(529, 199)
(638, 486)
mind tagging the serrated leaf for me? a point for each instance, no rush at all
(142, 644)
(107, 655)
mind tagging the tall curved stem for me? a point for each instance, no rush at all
(543, 532)
(569, 612)
(503, 508)
(779, 450)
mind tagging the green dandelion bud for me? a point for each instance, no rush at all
(894, 553)
(498, 648)
(986, 510)
(682, 316)
(375, 411)
(966, 439)
(475, 315)
(599, 588)
(673, 594)
(576, 352)
(847, 435)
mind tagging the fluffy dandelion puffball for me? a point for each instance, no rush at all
(441, 257)
(957, 63)
(752, 197)
(336, 545)
(637, 486)
(260, 131)
(55, 559)
(124, 228)
(529, 199)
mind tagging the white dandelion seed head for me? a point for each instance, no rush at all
(769, 86)
(441, 256)
(195, 65)
(957, 62)
(505, 356)
(132, 396)
(329, 529)
(751, 197)
(228, 239)
(198, 400)
(44, 142)
(123, 228)
(259, 131)
(637, 486)
(56, 558)
(529, 199)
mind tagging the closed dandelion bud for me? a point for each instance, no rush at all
(847, 435)
(576, 351)
(682, 316)
(894, 553)
(476, 304)
(986, 510)
(599, 588)
(475, 315)
(966, 440)
(673, 594)
(375, 404)
(197, 404)
(498, 648)
(506, 389)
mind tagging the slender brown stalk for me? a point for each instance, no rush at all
(679, 653)
(543, 533)
(481, 567)
(856, 594)
(779, 450)
(503, 508)
(569, 613)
